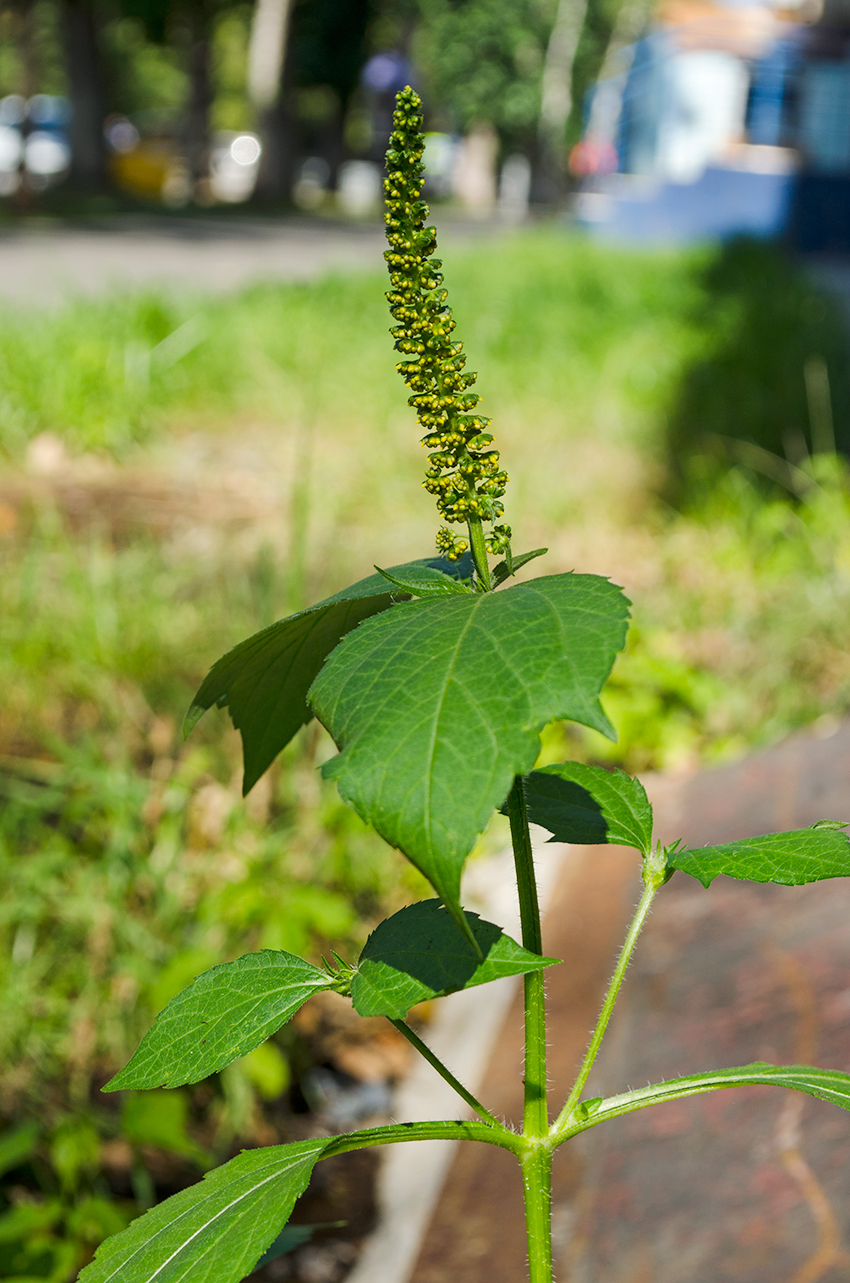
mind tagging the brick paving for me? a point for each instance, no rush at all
(742, 1186)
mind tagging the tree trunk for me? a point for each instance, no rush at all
(197, 121)
(270, 74)
(557, 92)
(88, 160)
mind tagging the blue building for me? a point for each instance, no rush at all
(723, 120)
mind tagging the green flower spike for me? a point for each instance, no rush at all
(463, 472)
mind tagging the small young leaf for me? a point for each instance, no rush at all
(801, 855)
(421, 953)
(215, 1231)
(264, 680)
(226, 1012)
(437, 705)
(504, 569)
(589, 805)
(425, 581)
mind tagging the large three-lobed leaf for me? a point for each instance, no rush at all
(437, 705)
(264, 680)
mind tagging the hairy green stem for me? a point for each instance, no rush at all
(445, 1073)
(535, 1114)
(478, 548)
(562, 1122)
(537, 1159)
(537, 1190)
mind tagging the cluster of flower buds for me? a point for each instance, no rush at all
(463, 472)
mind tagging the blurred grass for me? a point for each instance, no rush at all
(180, 471)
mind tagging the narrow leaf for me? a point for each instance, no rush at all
(801, 855)
(264, 680)
(504, 569)
(426, 582)
(215, 1231)
(421, 953)
(589, 805)
(437, 705)
(226, 1012)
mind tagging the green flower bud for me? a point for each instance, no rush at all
(462, 476)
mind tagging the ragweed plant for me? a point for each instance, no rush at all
(435, 687)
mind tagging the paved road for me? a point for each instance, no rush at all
(46, 261)
(750, 1186)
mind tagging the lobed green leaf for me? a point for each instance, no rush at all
(421, 953)
(226, 1012)
(214, 1231)
(589, 805)
(791, 859)
(437, 705)
(264, 681)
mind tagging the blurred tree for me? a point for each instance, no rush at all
(483, 64)
(194, 22)
(298, 46)
(556, 98)
(80, 26)
(521, 66)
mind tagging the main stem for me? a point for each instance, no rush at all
(537, 1160)
(651, 886)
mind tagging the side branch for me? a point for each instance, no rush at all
(826, 1084)
(396, 1133)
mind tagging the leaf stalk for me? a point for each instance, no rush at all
(446, 1074)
